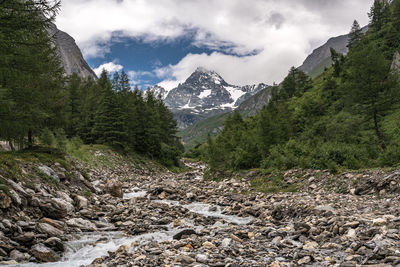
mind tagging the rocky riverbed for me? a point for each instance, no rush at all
(166, 219)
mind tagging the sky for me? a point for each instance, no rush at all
(245, 41)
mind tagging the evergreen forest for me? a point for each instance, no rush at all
(346, 118)
(40, 104)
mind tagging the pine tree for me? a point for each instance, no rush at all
(116, 82)
(124, 83)
(379, 14)
(369, 86)
(393, 34)
(30, 68)
(355, 34)
(108, 127)
(74, 87)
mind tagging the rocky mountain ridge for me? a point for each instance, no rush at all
(204, 94)
(320, 58)
(71, 56)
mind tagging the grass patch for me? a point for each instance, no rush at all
(12, 161)
(273, 183)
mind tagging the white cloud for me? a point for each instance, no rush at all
(109, 67)
(284, 31)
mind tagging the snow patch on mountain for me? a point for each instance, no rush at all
(204, 94)
(235, 93)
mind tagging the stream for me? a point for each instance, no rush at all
(89, 246)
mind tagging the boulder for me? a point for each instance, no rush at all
(82, 224)
(114, 188)
(15, 197)
(25, 238)
(19, 256)
(54, 223)
(64, 196)
(64, 205)
(49, 172)
(81, 202)
(55, 243)
(49, 230)
(5, 201)
(55, 208)
(44, 254)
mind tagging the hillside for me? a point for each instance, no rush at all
(342, 119)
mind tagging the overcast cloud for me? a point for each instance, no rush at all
(267, 37)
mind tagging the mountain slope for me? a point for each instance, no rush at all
(255, 103)
(70, 54)
(320, 58)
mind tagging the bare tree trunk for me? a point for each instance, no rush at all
(10, 143)
(30, 139)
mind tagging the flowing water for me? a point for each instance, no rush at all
(89, 246)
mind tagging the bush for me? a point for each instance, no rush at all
(61, 139)
(47, 138)
(329, 155)
(169, 155)
(76, 143)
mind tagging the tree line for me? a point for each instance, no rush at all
(348, 117)
(37, 97)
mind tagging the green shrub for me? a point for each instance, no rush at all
(169, 155)
(47, 138)
(61, 139)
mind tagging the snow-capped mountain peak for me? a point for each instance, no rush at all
(203, 94)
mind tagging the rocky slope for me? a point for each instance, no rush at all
(70, 54)
(204, 94)
(134, 217)
(255, 103)
(320, 58)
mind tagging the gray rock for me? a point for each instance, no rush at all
(81, 202)
(395, 67)
(44, 254)
(226, 242)
(202, 258)
(49, 230)
(5, 201)
(49, 172)
(16, 198)
(81, 224)
(55, 243)
(114, 188)
(19, 256)
(70, 54)
(64, 196)
(64, 205)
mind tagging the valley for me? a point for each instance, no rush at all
(140, 216)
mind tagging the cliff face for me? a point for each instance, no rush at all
(70, 54)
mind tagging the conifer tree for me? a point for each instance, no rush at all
(379, 14)
(108, 127)
(116, 82)
(355, 34)
(30, 68)
(124, 83)
(369, 86)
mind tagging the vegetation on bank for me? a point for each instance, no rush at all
(40, 105)
(346, 118)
